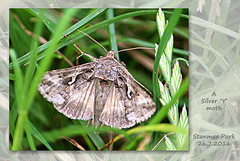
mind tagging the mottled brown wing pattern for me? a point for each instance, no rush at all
(114, 113)
(127, 103)
(102, 90)
(71, 90)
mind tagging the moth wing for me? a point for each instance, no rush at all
(127, 104)
(71, 90)
(113, 113)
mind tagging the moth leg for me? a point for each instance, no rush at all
(110, 137)
(82, 53)
(88, 123)
(123, 64)
(101, 125)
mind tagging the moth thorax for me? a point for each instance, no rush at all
(111, 54)
(106, 72)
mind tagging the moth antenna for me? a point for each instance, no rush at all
(93, 40)
(77, 55)
(90, 56)
(143, 86)
(136, 48)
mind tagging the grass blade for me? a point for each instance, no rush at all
(164, 110)
(97, 140)
(18, 89)
(167, 33)
(22, 60)
(29, 137)
(18, 82)
(84, 21)
(182, 138)
(31, 69)
(111, 33)
(38, 13)
(33, 89)
(169, 144)
(38, 135)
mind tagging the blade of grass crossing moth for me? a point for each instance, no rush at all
(161, 47)
(44, 66)
(22, 60)
(111, 32)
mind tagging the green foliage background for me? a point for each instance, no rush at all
(34, 123)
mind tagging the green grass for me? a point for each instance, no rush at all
(34, 123)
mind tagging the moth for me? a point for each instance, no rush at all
(102, 91)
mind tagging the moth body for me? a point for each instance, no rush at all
(103, 91)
